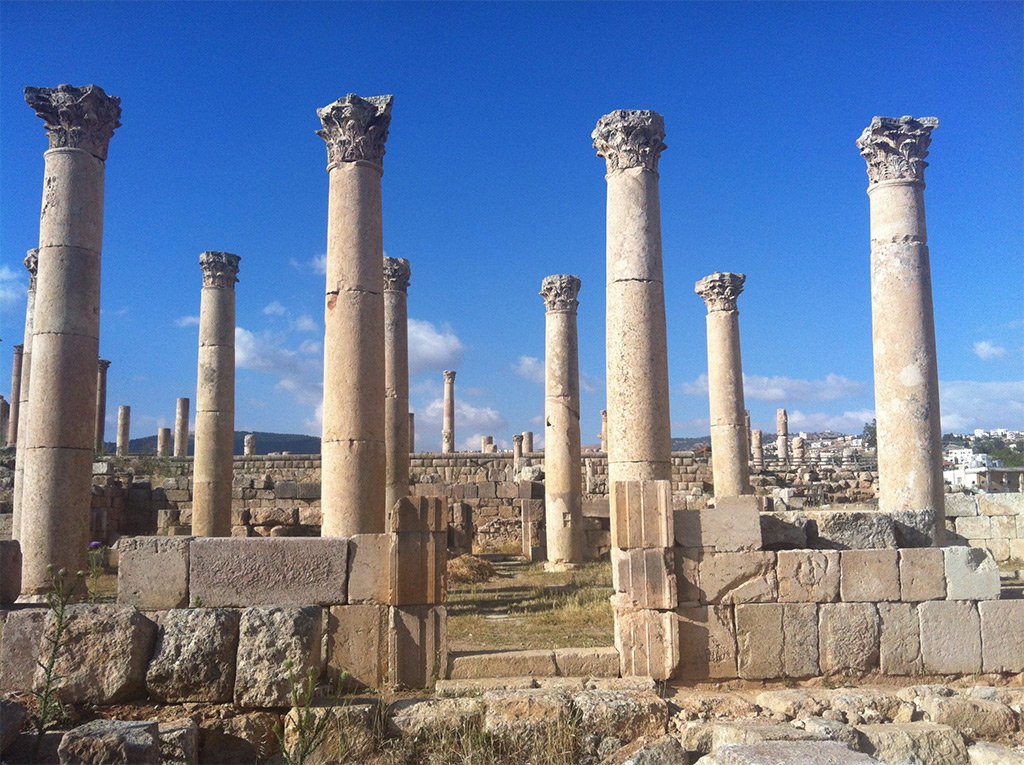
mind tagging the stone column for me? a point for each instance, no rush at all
(124, 427)
(517, 451)
(604, 430)
(412, 433)
(163, 442)
(746, 424)
(730, 458)
(527, 441)
(563, 482)
(5, 420)
(354, 462)
(799, 453)
(782, 435)
(638, 435)
(448, 421)
(757, 448)
(396, 381)
(12, 422)
(486, 442)
(61, 433)
(181, 428)
(102, 365)
(903, 328)
(32, 265)
(249, 445)
(213, 463)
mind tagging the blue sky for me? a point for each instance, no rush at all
(491, 183)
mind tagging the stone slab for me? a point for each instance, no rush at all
(848, 637)
(915, 743)
(647, 642)
(759, 641)
(707, 643)
(900, 652)
(851, 530)
(641, 514)
(808, 576)
(20, 648)
(152, 572)
(417, 646)
(369, 579)
(278, 647)
(800, 639)
(869, 576)
(194, 659)
(950, 637)
(971, 574)
(1002, 635)
(357, 646)
(960, 505)
(738, 577)
(587, 662)
(791, 753)
(1004, 503)
(922, 574)
(477, 664)
(645, 577)
(734, 524)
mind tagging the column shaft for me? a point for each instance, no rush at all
(12, 422)
(181, 428)
(101, 402)
(527, 441)
(448, 414)
(163, 442)
(124, 426)
(32, 264)
(397, 420)
(412, 432)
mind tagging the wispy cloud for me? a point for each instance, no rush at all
(317, 264)
(529, 368)
(432, 348)
(274, 309)
(187, 321)
(305, 323)
(965, 405)
(12, 291)
(986, 349)
(757, 387)
(847, 422)
(295, 372)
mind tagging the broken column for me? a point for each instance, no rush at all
(486, 443)
(353, 444)
(757, 448)
(527, 441)
(32, 265)
(730, 458)
(181, 428)
(782, 436)
(396, 380)
(799, 453)
(563, 490)
(163, 442)
(102, 365)
(902, 322)
(213, 464)
(249, 445)
(124, 426)
(448, 421)
(12, 421)
(603, 435)
(61, 433)
(517, 452)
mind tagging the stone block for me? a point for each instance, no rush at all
(783, 531)
(10, 571)
(520, 715)
(869, 575)
(848, 637)
(417, 645)
(1010, 503)
(626, 715)
(792, 753)
(103, 741)
(531, 490)
(152, 572)
(800, 639)
(851, 530)
(283, 571)
(587, 662)
(1004, 527)
(960, 505)
(738, 577)
(644, 577)
(759, 641)
(978, 718)
(808, 576)
(647, 642)
(369, 568)
(727, 734)
(707, 643)
(307, 491)
(950, 637)
(418, 571)
(922, 574)
(285, 489)
(178, 741)
(974, 527)
(476, 664)
(914, 528)
(278, 646)
(641, 514)
(432, 717)
(900, 651)
(913, 743)
(357, 646)
(971, 574)
(1002, 635)
(194, 658)
(734, 524)
(21, 643)
(687, 560)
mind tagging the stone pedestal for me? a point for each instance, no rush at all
(213, 464)
(902, 324)
(397, 420)
(32, 265)
(12, 421)
(181, 428)
(563, 490)
(782, 436)
(353, 445)
(124, 429)
(102, 365)
(448, 414)
(527, 441)
(730, 458)
(249, 445)
(163, 442)
(61, 435)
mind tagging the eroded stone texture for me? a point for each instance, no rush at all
(738, 577)
(759, 638)
(627, 715)
(108, 741)
(277, 647)
(515, 715)
(21, 644)
(800, 639)
(950, 637)
(869, 575)
(922, 574)
(707, 643)
(647, 642)
(791, 753)
(1002, 635)
(152, 572)
(417, 645)
(971, 574)
(919, 743)
(808, 576)
(900, 648)
(357, 646)
(848, 637)
(194, 658)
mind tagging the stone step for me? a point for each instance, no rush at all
(560, 662)
(454, 688)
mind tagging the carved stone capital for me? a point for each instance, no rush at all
(720, 290)
(449, 377)
(77, 118)
(396, 274)
(355, 128)
(103, 365)
(559, 292)
(630, 138)
(220, 269)
(895, 148)
(31, 262)
(18, 349)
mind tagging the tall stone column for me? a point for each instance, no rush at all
(448, 415)
(249, 445)
(124, 428)
(5, 420)
(639, 443)
(181, 428)
(563, 483)
(603, 435)
(32, 265)
(782, 435)
(102, 365)
(527, 441)
(902, 322)
(354, 462)
(757, 448)
(213, 464)
(486, 444)
(163, 442)
(12, 422)
(65, 335)
(396, 380)
(412, 432)
(730, 458)
(517, 451)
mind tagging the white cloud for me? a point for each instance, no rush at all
(432, 348)
(311, 347)
(760, 388)
(481, 419)
(698, 387)
(317, 264)
(472, 443)
(986, 349)
(813, 422)
(305, 323)
(965, 405)
(275, 309)
(589, 384)
(187, 321)
(529, 368)
(12, 290)
(265, 353)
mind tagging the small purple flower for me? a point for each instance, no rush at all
(95, 545)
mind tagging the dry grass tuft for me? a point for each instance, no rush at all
(468, 569)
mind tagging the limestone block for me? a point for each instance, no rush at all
(647, 642)
(21, 643)
(733, 524)
(971, 574)
(1002, 635)
(848, 637)
(103, 741)
(474, 664)
(521, 714)
(808, 576)
(687, 574)
(791, 753)
(922, 574)
(307, 491)
(978, 718)
(194, 658)
(851, 530)
(152, 572)
(738, 577)
(783, 531)
(641, 514)
(1004, 527)
(277, 646)
(12, 719)
(1010, 503)
(535, 490)
(950, 637)
(348, 732)
(178, 741)
(418, 568)
(417, 645)
(663, 750)
(626, 715)
(832, 729)
(901, 639)
(268, 571)
(869, 575)
(960, 505)
(987, 753)
(707, 643)
(759, 641)
(750, 732)
(10, 571)
(418, 717)
(419, 514)
(587, 662)
(974, 527)
(644, 577)
(800, 639)
(915, 742)
(357, 646)
(369, 577)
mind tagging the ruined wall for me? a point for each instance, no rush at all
(994, 522)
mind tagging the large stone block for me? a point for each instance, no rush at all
(916, 743)
(791, 753)
(960, 505)
(641, 514)
(950, 637)
(707, 643)
(869, 575)
(783, 530)
(644, 577)
(152, 572)
(1002, 635)
(418, 570)
(848, 637)
(901, 639)
(476, 664)
(417, 645)
(109, 741)
(738, 577)
(357, 646)
(733, 524)
(808, 576)
(851, 530)
(10, 571)
(647, 642)
(269, 571)
(1010, 503)
(759, 640)
(587, 662)
(800, 639)
(432, 717)
(974, 527)
(971, 574)
(21, 644)
(626, 715)
(369, 568)
(195, 656)
(278, 647)
(520, 715)
(979, 718)
(922, 574)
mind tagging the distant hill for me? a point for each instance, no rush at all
(687, 444)
(265, 443)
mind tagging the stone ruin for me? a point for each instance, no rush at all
(729, 575)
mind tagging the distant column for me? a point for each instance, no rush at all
(412, 432)
(486, 442)
(527, 441)
(124, 426)
(757, 448)
(782, 435)
(5, 420)
(102, 365)
(746, 422)
(181, 428)
(604, 430)
(163, 442)
(396, 381)
(799, 453)
(213, 464)
(902, 321)
(12, 422)
(563, 482)
(249, 445)
(32, 265)
(517, 451)
(448, 422)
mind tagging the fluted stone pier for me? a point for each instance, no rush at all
(213, 464)
(12, 420)
(32, 266)
(61, 437)
(249, 444)
(102, 365)
(124, 429)
(730, 459)
(353, 445)
(181, 428)
(902, 321)
(163, 442)
(782, 435)
(397, 421)
(448, 413)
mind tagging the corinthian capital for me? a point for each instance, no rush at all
(355, 128)
(220, 269)
(396, 274)
(77, 118)
(630, 138)
(559, 292)
(449, 377)
(720, 290)
(102, 365)
(31, 262)
(895, 148)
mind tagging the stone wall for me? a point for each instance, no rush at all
(994, 522)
